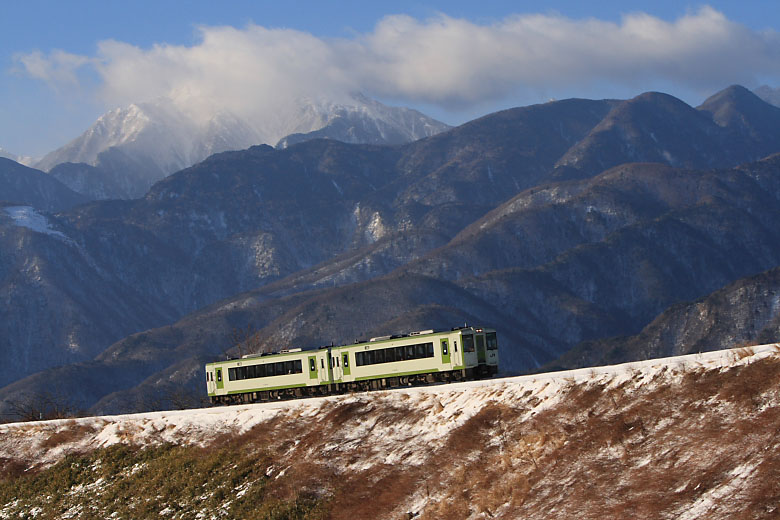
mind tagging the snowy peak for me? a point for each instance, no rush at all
(137, 145)
(366, 121)
(158, 132)
(169, 138)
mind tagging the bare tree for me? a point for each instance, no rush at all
(245, 340)
(42, 405)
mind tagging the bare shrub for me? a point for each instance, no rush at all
(43, 405)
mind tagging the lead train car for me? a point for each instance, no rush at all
(384, 362)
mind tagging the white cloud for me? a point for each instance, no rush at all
(58, 68)
(442, 61)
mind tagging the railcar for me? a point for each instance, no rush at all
(422, 357)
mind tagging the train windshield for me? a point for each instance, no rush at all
(468, 343)
(492, 342)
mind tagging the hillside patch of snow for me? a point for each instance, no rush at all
(28, 217)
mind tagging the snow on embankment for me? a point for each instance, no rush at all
(686, 437)
(454, 404)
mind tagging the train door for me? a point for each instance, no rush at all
(481, 354)
(324, 367)
(220, 382)
(211, 385)
(313, 370)
(345, 369)
(335, 365)
(446, 355)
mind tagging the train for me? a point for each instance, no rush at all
(421, 357)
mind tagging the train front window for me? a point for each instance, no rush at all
(468, 343)
(492, 342)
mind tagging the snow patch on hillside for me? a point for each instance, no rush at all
(28, 217)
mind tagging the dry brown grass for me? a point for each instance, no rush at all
(71, 432)
(12, 468)
(602, 452)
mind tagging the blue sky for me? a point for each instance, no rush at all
(58, 74)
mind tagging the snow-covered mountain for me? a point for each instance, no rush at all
(157, 133)
(144, 142)
(367, 121)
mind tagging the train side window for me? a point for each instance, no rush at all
(358, 359)
(429, 347)
(219, 376)
(322, 363)
(444, 349)
(455, 345)
(298, 366)
(312, 365)
(346, 360)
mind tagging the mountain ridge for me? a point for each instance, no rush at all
(295, 240)
(140, 144)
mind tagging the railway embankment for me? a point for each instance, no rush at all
(686, 437)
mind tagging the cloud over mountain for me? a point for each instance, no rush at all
(445, 61)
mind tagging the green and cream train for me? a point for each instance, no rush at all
(384, 362)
